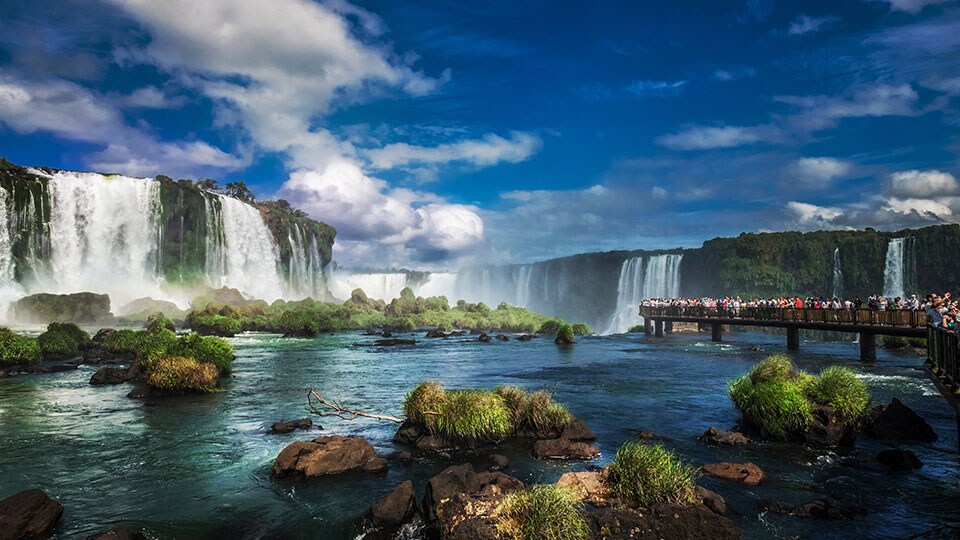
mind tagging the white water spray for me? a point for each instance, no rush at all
(640, 278)
(251, 254)
(893, 271)
(837, 275)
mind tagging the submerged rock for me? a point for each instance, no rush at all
(498, 462)
(394, 342)
(899, 460)
(897, 422)
(743, 473)
(436, 333)
(526, 337)
(564, 448)
(110, 375)
(291, 425)
(484, 338)
(332, 454)
(824, 508)
(721, 437)
(501, 337)
(662, 521)
(119, 532)
(28, 514)
(714, 501)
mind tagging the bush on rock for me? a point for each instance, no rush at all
(642, 475)
(17, 349)
(542, 511)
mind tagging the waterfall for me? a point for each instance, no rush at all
(10, 290)
(439, 284)
(837, 275)
(654, 277)
(524, 274)
(378, 285)
(215, 263)
(893, 271)
(251, 253)
(103, 236)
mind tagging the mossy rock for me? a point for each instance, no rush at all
(80, 308)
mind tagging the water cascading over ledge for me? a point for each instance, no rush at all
(64, 232)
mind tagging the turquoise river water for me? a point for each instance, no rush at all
(199, 466)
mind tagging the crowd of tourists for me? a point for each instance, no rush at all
(941, 310)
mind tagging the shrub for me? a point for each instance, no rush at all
(550, 327)
(159, 321)
(214, 325)
(206, 350)
(179, 374)
(17, 349)
(62, 340)
(920, 343)
(536, 411)
(778, 408)
(840, 388)
(542, 512)
(564, 334)
(151, 346)
(581, 329)
(643, 475)
(121, 341)
(776, 367)
(297, 323)
(474, 414)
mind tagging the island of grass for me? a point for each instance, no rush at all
(163, 362)
(438, 419)
(779, 402)
(61, 341)
(308, 318)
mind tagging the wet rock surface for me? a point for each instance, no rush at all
(28, 514)
(332, 454)
(742, 473)
(897, 422)
(290, 425)
(720, 437)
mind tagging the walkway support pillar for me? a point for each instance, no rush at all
(793, 338)
(647, 326)
(658, 327)
(716, 330)
(668, 327)
(868, 347)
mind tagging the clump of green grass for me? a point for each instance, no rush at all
(474, 414)
(840, 388)
(179, 374)
(17, 349)
(542, 512)
(62, 340)
(483, 414)
(642, 475)
(778, 407)
(776, 367)
(206, 349)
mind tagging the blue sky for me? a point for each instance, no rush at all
(437, 134)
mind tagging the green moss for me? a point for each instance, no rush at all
(840, 388)
(642, 475)
(564, 334)
(159, 321)
(17, 349)
(542, 512)
(214, 324)
(62, 340)
(206, 350)
(178, 374)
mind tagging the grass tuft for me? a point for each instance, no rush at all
(840, 388)
(776, 367)
(474, 414)
(179, 374)
(542, 512)
(642, 474)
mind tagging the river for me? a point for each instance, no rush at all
(199, 466)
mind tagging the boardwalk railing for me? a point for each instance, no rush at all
(872, 317)
(943, 349)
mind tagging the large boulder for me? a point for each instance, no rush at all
(80, 308)
(394, 509)
(895, 459)
(332, 454)
(743, 473)
(564, 448)
(28, 514)
(898, 423)
(720, 437)
(142, 308)
(459, 503)
(661, 521)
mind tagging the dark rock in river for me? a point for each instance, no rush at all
(721, 437)
(501, 337)
(825, 508)
(117, 533)
(394, 342)
(564, 448)
(394, 509)
(899, 460)
(526, 337)
(290, 425)
(828, 429)
(332, 454)
(460, 503)
(436, 333)
(897, 422)
(714, 501)
(28, 514)
(743, 473)
(499, 462)
(662, 521)
(484, 338)
(110, 375)
(140, 391)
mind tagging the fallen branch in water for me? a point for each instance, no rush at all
(339, 411)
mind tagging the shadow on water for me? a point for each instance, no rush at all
(200, 466)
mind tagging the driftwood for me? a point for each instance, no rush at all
(337, 410)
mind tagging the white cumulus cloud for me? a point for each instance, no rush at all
(925, 184)
(488, 150)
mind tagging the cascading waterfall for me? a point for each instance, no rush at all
(439, 284)
(10, 290)
(893, 271)
(379, 285)
(215, 264)
(837, 275)
(103, 236)
(304, 275)
(251, 253)
(640, 277)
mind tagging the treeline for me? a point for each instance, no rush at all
(307, 318)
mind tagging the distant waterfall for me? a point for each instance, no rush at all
(641, 277)
(10, 290)
(894, 270)
(378, 285)
(837, 275)
(439, 284)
